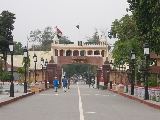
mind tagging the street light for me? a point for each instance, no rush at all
(35, 60)
(46, 64)
(133, 57)
(146, 53)
(111, 64)
(42, 62)
(25, 51)
(11, 48)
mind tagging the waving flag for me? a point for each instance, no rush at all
(77, 26)
(59, 33)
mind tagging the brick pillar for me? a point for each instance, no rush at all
(99, 74)
(106, 68)
(51, 71)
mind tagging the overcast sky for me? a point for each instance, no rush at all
(65, 14)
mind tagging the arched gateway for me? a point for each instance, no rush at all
(87, 53)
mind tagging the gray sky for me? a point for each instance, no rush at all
(65, 14)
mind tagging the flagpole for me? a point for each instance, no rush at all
(79, 31)
(78, 27)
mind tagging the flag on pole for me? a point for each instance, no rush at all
(109, 35)
(59, 33)
(77, 26)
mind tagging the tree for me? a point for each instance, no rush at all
(125, 30)
(47, 37)
(6, 28)
(35, 36)
(147, 16)
(94, 38)
(26, 64)
(44, 38)
(18, 49)
(79, 69)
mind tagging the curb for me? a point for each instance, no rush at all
(138, 100)
(15, 99)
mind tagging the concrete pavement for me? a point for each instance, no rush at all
(19, 94)
(79, 103)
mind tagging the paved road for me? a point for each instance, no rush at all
(79, 103)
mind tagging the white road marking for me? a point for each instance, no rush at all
(84, 94)
(80, 105)
(105, 95)
(90, 112)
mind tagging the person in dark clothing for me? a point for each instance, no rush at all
(64, 80)
(55, 83)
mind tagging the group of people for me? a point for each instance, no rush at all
(64, 81)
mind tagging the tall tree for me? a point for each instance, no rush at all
(44, 38)
(125, 30)
(35, 36)
(6, 28)
(147, 16)
(47, 37)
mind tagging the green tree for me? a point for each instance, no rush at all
(6, 28)
(44, 38)
(147, 16)
(79, 69)
(26, 64)
(47, 37)
(18, 49)
(125, 30)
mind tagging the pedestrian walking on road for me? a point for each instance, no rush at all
(64, 80)
(93, 82)
(55, 84)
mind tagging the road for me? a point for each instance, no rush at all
(79, 103)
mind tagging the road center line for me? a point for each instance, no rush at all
(80, 105)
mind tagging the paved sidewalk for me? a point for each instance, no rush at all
(150, 103)
(18, 94)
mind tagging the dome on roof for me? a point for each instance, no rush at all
(103, 39)
(55, 38)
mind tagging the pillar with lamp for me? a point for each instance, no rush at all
(111, 64)
(133, 57)
(42, 62)
(25, 65)
(35, 60)
(46, 64)
(146, 53)
(11, 49)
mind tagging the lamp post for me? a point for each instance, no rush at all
(11, 48)
(133, 57)
(111, 64)
(42, 62)
(35, 60)
(25, 58)
(46, 64)
(146, 53)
